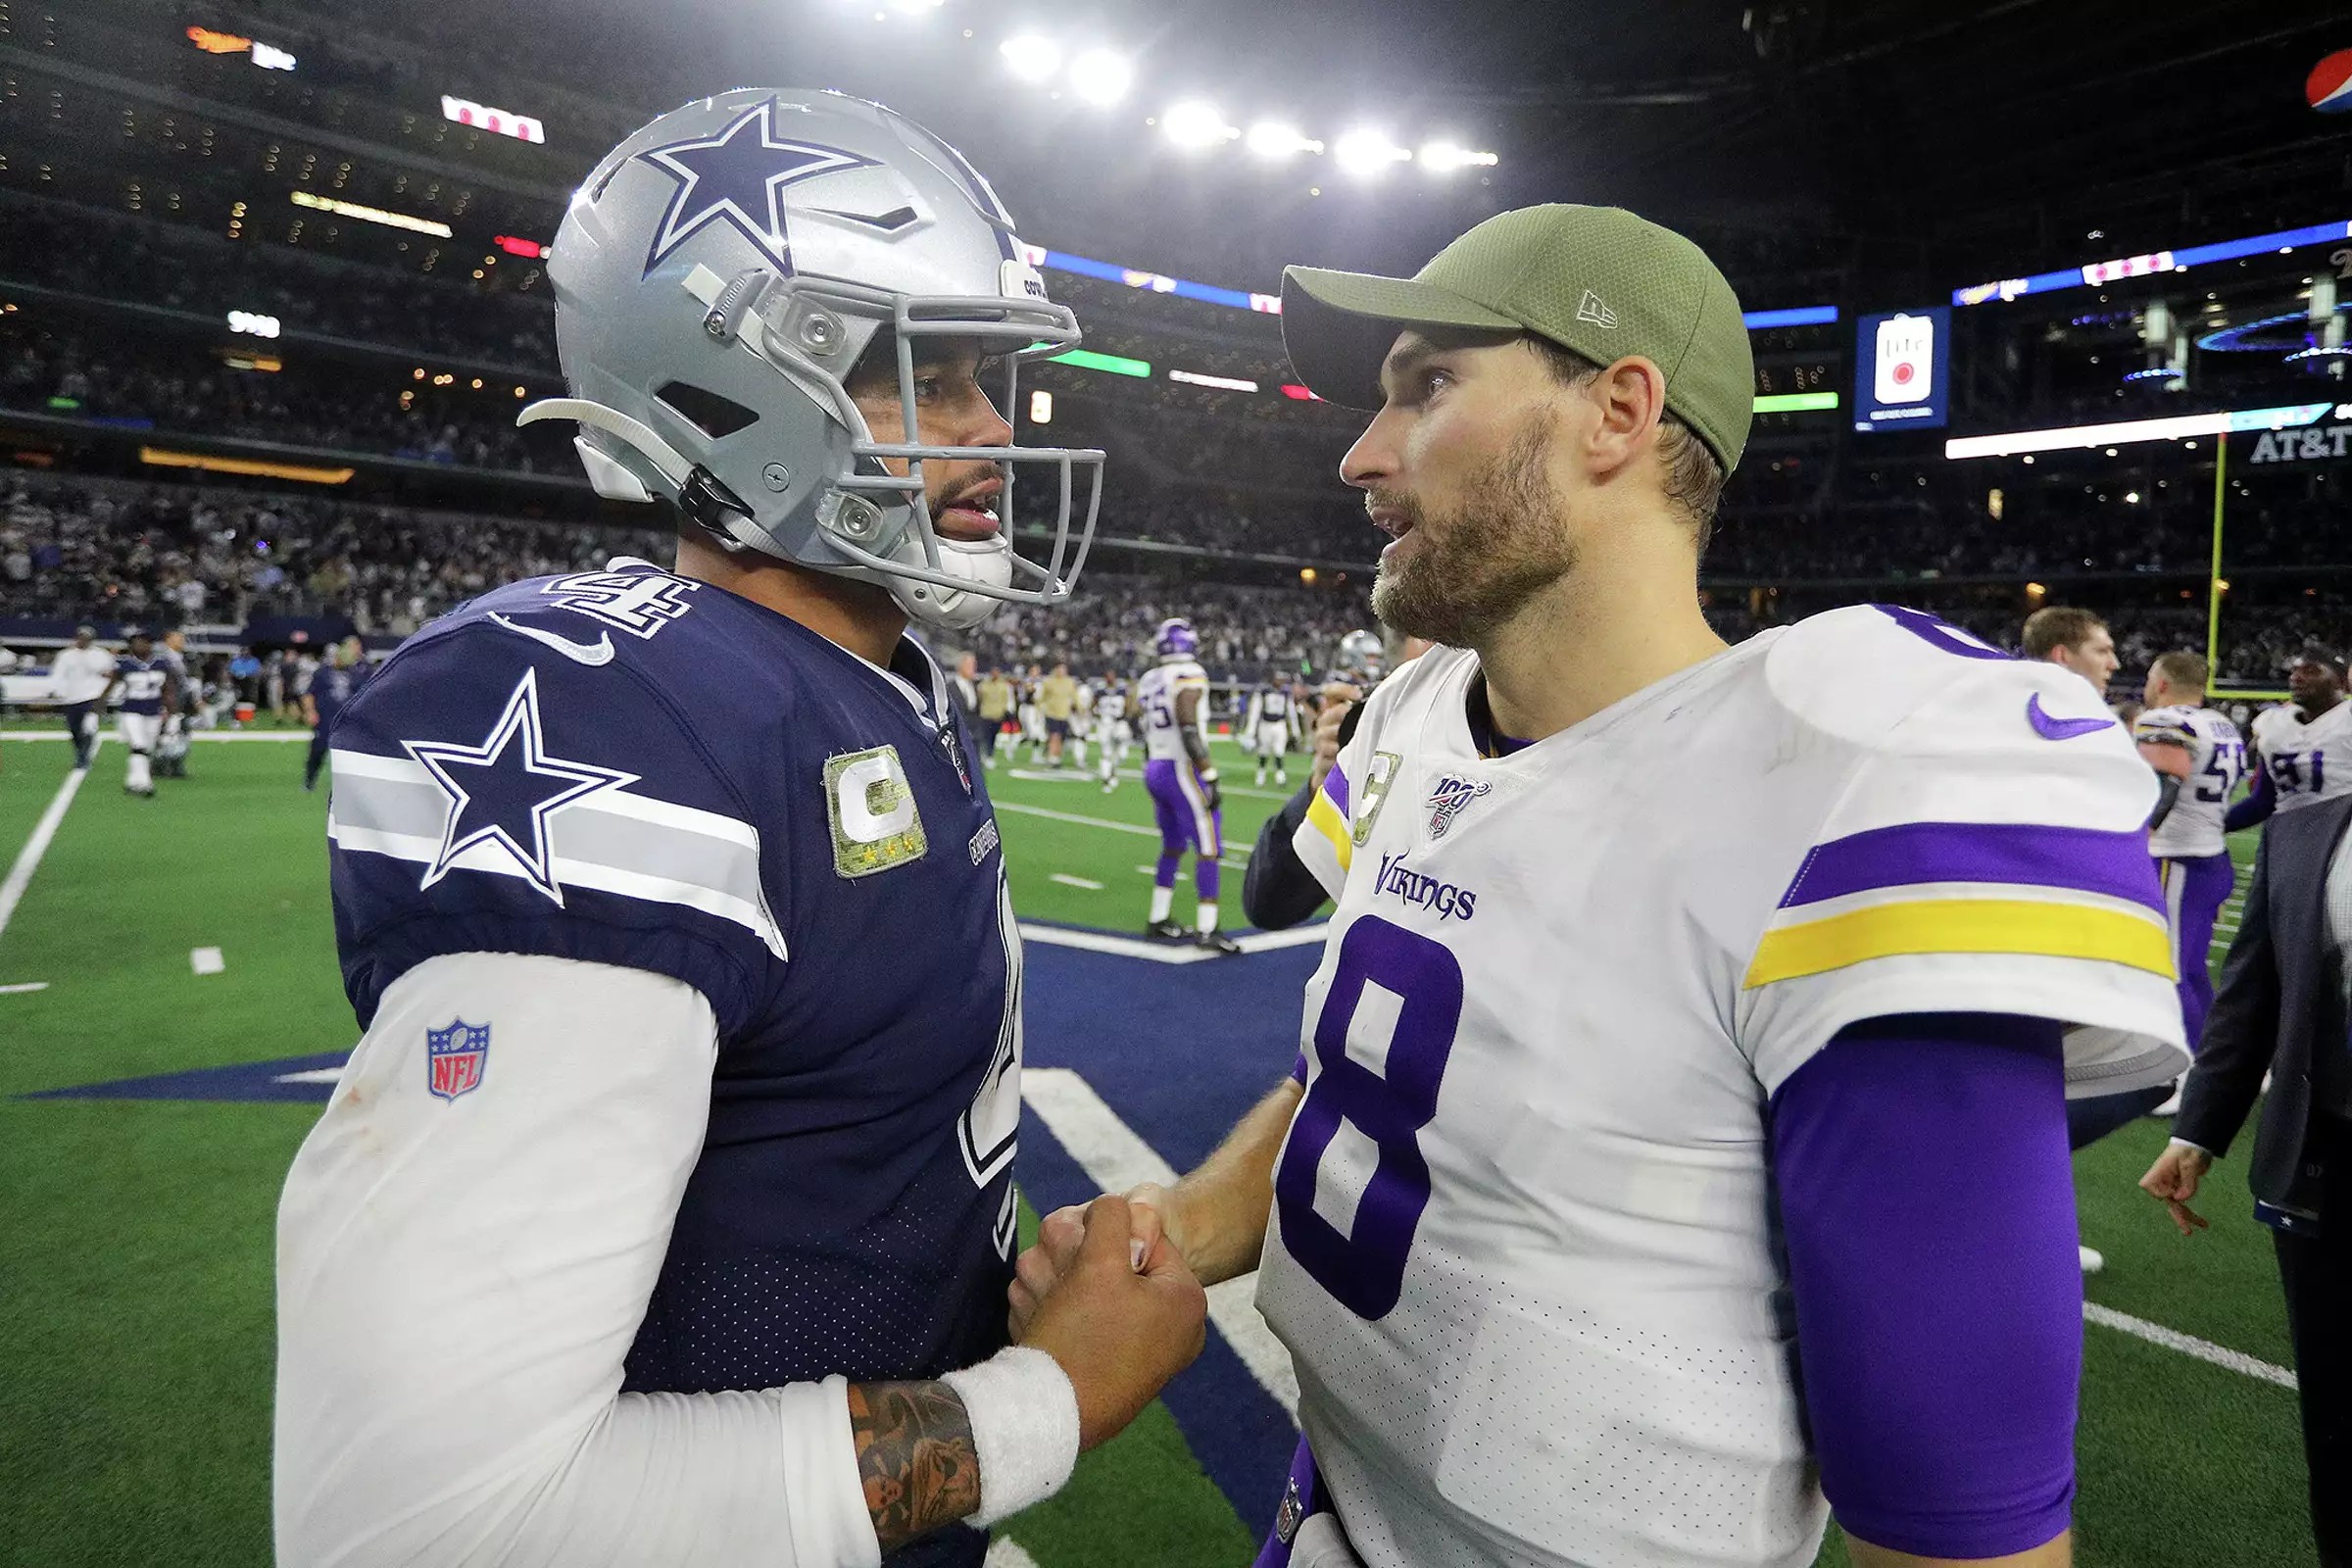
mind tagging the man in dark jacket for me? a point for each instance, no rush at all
(2283, 1009)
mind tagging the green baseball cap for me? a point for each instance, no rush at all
(1596, 281)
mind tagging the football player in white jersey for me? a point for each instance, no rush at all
(2303, 750)
(1690, 1042)
(2201, 758)
(1171, 701)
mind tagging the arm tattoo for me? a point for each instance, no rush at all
(915, 1456)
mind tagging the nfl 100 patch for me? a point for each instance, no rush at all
(873, 809)
(454, 1058)
(1448, 799)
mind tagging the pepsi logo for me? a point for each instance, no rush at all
(2330, 84)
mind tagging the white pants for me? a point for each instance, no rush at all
(1273, 739)
(138, 732)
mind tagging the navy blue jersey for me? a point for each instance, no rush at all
(629, 768)
(143, 681)
(330, 688)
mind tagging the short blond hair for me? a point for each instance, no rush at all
(2058, 626)
(2182, 668)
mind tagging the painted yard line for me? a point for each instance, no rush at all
(1051, 815)
(196, 735)
(2220, 1355)
(1007, 1552)
(28, 858)
(1070, 881)
(1056, 936)
(23, 988)
(317, 1075)
(1116, 1159)
(206, 960)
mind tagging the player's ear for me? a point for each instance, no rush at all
(1630, 399)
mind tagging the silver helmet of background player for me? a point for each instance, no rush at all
(1362, 659)
(716, 278)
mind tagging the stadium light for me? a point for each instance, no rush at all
(1113, 363)
(1270, 139)
(1101, 77)
(1224, 384)
(1444, 157)
(1197, 124)
(2133, 431)
(370, 215)
(1368, 153)
(1030, 57)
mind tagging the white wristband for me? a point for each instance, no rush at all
(1024, 1416)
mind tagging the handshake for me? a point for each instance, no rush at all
(1107, 1294)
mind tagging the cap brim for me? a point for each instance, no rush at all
(1338, 327)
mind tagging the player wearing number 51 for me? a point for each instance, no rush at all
(664, 1211)
(1655, 1164)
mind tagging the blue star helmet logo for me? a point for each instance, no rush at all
(504, 791)
(738, 178)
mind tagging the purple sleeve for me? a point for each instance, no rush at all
(2260, 801)
(1299, 1069)
(1928, 1209)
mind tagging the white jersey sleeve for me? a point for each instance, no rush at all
(1984, 848)
(458, 1280)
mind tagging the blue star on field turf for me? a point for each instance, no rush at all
(504, 791)
(738, 178)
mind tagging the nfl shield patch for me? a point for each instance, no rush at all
(454, 1058)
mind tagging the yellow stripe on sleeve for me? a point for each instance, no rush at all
(1962, 925)
(1325, 818)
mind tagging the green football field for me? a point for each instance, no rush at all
(135, 1333)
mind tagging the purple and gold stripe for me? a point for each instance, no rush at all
(2077, 859)
(1327, 815)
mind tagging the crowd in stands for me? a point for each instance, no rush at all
(167, 556)
(313, 404)
(90, 251)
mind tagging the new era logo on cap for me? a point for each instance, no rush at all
(1591, 308)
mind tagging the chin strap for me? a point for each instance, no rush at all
(705, 502)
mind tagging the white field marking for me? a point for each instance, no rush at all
(1070, 881)
(206, 960)
(1115, 1160)
(1154, 951)
(23, 987)
(1007, 1552)
(1048, 776)
(315, 1075)
(28, 858)
(194, 735)
(2220, 1355)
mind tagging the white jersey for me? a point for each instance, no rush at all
(2217, 763)
(1110, 708)
(1270, 709)
(81, 674)
(1156, 694)
(2306, 763)
(1521, 1249)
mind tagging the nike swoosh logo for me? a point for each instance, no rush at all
(598, 652)
(2060, 729)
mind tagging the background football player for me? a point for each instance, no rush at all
(2302, 749)
(1171, 705)
(149, 690)
(1115, 733)
(664, 1211)
(1651, 1119)
(1270, 723)
(2201, 755)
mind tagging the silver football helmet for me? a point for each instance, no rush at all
(716, 278)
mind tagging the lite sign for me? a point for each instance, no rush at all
(499, 121)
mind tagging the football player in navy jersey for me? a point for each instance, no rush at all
(663, 1212)
(149, 689)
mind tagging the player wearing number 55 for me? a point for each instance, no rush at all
(1678, 1148)
(663, 1212)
